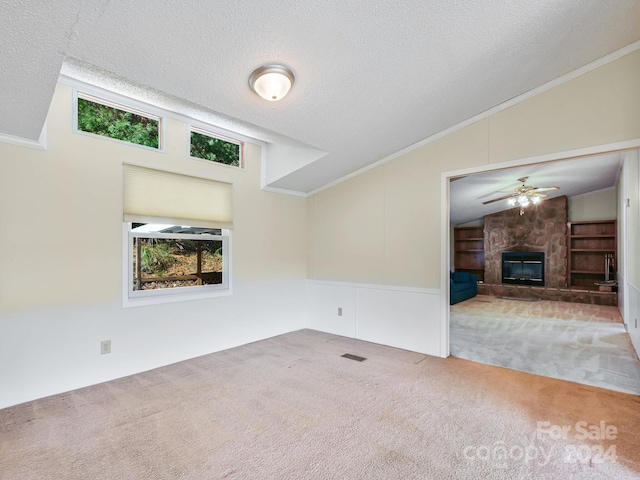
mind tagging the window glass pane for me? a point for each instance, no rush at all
(112, 122)
(215, 149)
(184, 261)
(172, 263)
(162, 228)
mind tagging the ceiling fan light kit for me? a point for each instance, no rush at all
(524, 196)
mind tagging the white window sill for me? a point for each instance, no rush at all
(169, 297)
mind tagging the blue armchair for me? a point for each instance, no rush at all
(463, 285)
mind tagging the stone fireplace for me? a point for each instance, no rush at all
(542, 228)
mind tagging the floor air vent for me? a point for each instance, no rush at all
(353, 357)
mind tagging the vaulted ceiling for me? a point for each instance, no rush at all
(371, 77)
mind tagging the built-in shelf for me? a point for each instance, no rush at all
(588, 243)
(468, 246)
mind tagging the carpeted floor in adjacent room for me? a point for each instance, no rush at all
(291, 407)
(578, 342)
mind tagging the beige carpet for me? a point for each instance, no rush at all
(571, 341)
(292, 408)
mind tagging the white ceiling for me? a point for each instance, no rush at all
(371, 77)
(574, 177)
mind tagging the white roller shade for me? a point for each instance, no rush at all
(157, 196)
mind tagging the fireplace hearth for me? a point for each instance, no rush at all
(523, 268)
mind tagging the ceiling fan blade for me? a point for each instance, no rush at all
(500, 198)
(544, 189)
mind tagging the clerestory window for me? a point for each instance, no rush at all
(108, 119)
(208, 146)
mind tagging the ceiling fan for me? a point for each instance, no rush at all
(524, 195)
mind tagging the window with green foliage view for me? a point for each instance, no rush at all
(171, 259)
(215, 149)
(110, 121)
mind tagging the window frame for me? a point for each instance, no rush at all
(133, 297)
(209, 133)
(125, 105)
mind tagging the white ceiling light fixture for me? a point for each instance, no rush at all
(271, 82)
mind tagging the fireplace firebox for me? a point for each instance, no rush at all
(523, 268)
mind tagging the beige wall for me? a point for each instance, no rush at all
(383, 226)
(597, 108)
(599, 205)
(73, 192)
(61, 274)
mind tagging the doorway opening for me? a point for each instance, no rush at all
(533, 336)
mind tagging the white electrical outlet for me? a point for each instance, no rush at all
(339, 311)
(105, 347)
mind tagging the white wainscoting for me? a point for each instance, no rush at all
(54, 349)
(401, 317)
(623, 299)
(633, 321)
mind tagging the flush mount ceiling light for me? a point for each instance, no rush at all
(271, 82)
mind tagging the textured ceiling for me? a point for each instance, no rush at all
(371, 77)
